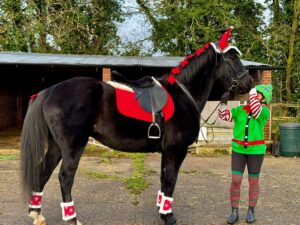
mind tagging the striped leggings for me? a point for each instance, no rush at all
(238, 164)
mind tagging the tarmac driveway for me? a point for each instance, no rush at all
(200, 198)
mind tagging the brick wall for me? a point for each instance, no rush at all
(266, 78)
(8, 108)
(106, 74)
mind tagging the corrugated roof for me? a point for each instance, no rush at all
(21, 58)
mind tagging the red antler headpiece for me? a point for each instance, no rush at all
(223, 42)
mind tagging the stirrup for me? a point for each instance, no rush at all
(154, 126)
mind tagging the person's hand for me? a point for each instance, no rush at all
(253, 91)
(225, 97)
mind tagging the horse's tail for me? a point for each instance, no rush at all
(34, 134)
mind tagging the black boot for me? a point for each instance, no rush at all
(250, 215)
(234, 216)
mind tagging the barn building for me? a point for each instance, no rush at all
(24, 74)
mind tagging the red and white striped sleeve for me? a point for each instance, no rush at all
(225, 113)
(255, 105)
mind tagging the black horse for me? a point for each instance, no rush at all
(61, 118)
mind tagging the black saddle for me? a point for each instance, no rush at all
(151, 96)
(140, 83)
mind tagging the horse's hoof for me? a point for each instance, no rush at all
(38, 218)
(74, 222)
(169, 219)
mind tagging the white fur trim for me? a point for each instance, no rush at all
(156, 81)
(35, 206)
(67, 204)
(217, 50)
(158, 204)
(225, 49)
(120, 86)
(232, 47)
(38, 193)
(166, 205)
(253, 91)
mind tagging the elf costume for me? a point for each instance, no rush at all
(248, 146)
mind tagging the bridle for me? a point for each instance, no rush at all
(235, 82)
(235, 77)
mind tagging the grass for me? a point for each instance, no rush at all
(135, 183)
(8, 157)
(99, 175)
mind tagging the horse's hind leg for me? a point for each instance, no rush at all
(49, 163)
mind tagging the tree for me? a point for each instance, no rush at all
(180, 26)
(290, 59)
(64, 26)
(283, 47)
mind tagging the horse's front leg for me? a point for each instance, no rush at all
(171, 161)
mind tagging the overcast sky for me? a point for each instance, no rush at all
(137, 28)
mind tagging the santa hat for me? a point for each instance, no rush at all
(223, 42)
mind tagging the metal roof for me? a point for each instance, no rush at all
(21, 58)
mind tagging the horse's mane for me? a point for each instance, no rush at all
(190, 66)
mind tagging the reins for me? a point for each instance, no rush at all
(235, 82)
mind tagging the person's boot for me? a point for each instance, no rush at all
(250, 215)
(234, 216)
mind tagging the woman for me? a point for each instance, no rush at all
(248, 146)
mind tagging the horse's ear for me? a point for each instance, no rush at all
(223, 42)
(231, 47)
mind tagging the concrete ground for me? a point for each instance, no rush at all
(200, 198)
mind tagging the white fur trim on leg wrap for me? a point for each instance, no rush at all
(68, 210)
(166, 205)
(36, 199)
(159, 198)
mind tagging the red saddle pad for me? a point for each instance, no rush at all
(129, 106)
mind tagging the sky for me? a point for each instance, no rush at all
(136, 27)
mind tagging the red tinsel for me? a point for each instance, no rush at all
(175, 70)
(184, 63)
(189, 56)
(206, 46)
(171, 79)
(199, 51)
(33, 97)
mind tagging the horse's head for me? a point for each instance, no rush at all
(230, 72)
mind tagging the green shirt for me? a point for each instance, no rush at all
(255, 130)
